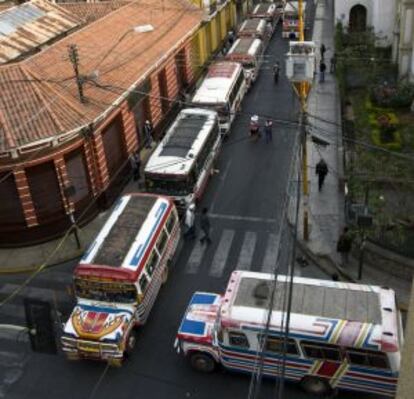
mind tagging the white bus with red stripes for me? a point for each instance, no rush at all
(222, 90)
(340, 336)
(119, 276)
(182, 163)
(249, 52)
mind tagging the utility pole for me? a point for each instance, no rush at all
(74, 59)
(303, 90)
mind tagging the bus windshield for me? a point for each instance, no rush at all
(105, 291)
(173, 187)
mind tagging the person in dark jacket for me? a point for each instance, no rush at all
(323, 50)
(321, 170)
(344, 245)
(322, 69)
(205, 226)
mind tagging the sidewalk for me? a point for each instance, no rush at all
(60, 250)
(326, 208)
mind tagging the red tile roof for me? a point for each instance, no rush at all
(90, 12)
(39, 96)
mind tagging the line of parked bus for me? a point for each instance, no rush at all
(183, 161)
(344, 336)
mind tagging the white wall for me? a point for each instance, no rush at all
(380, 15)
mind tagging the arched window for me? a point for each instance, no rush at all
(358, 18)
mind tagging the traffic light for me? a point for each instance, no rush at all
(40, 324)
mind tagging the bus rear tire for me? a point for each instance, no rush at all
(316, 386)
(202, 362)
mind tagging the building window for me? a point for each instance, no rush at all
(162, 83)
(113, 142)
(45, 192)
(11, 211)
(78, 176)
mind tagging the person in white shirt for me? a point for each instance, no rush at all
(189, 222)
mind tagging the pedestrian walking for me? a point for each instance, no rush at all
(230, 38)
(276, 71)
(205, 226)
(254, 127)
(189, 222)
(322, 69)
(321, 170)
(148, 130)
(136, 165)
(344, 246)
(333, 64)
(323, 50)
(268, 131)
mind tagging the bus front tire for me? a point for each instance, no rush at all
(316, 386)
(202, 362)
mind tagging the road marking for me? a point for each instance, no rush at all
(195, 258)
(222, 252)
(222, 178)
(271, 254)
(247, 250)
(241, 218)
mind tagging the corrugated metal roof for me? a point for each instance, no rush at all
(25, 27)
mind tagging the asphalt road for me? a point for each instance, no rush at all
(249, 231)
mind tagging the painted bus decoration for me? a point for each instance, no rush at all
(341, 336)
(290, 28)
(118, 278)
(182, 163)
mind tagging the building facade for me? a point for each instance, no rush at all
(66, 137)
(359, 15)
(403, 46)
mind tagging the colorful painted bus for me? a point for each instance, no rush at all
(222, 90)
(341, 335)
(119, 276)
(290, 28)
(182, 163)
(249, 52)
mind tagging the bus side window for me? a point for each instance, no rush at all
(238, 339)
(162, 241)
(143, 283)
(367, 358)
(171, 222)
(152, 263)
(321, 351)
(275, 344)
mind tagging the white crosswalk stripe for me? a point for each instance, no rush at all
(247, 251)
(222, 252)
(271, 254)
(196, 256)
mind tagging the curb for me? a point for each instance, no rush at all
(33, 269)
(325, 263)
